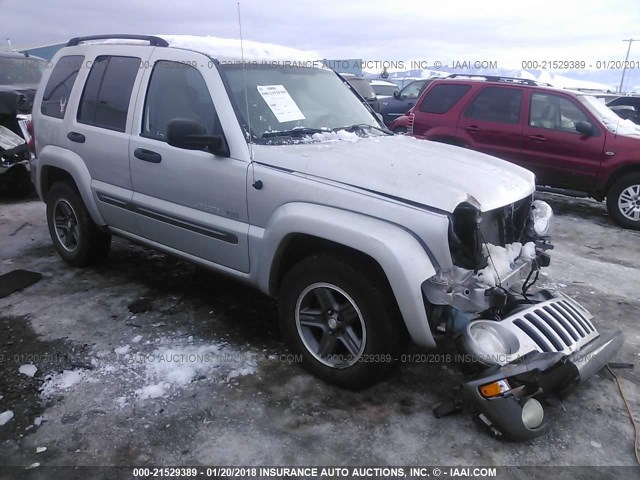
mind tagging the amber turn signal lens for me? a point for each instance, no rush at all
(494, 389)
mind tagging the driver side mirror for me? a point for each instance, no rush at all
(191, 135)
(396, 94)
(585, 128)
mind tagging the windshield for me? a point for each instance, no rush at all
(384, 90)
(20, 71)
(293, 99)
(609, 118)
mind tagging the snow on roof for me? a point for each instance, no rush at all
(382, 82)
(225, 49)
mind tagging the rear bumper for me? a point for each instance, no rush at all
(538, 375)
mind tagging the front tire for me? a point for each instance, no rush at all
(623, 201)
(75, 236)
(341, 317)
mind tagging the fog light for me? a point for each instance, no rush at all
(532, 414)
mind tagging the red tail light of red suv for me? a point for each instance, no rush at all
(411, 116)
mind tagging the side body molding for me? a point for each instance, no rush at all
(401, 256)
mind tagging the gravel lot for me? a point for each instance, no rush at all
(150, 360)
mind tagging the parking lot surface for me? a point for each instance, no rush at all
(148, 359)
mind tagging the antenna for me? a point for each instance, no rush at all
(256, 184)
(9, 42)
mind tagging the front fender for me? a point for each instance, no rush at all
(401, 256)
(70, 162)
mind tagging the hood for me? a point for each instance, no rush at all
(419, 171)
(16, 99)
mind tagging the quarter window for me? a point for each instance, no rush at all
(441, 98)
(177, 90)
(58, 90)
(107, 92)
(496, 104)
(554, 112)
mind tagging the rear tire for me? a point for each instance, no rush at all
(623, 201)
(75, 236)
(342, 318)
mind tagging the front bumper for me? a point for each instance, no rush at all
(537, 375)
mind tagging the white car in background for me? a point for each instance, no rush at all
(383, 88)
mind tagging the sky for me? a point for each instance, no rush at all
(506, 32)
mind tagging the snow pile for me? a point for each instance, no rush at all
(28, 370)
(5, 417)
(161, 368)
(501, 261)
(122, 350)
(170, 367)
(225, 49)
(61, 381)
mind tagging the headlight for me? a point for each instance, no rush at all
(489, 342)
(541, 217)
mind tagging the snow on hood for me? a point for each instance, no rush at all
(622, 127)
(433, 174)
(225, 49)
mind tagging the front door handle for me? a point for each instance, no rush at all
(76, 137)
(537, 138)
(472, 129)
(147, 155)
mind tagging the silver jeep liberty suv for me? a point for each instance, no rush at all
(279, 174)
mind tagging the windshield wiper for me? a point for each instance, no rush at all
(363, 126)
(295, 132)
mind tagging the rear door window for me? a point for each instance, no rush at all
(106, 95)
(441, 98)
(58, 90)
(496, 104)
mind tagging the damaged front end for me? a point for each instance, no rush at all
(16, 102)
(519, 346)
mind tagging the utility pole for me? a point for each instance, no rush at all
(624, 67)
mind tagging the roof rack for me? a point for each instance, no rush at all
(153, 41)
(496, 78)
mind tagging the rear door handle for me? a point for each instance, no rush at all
(537, 138)
(472, 129)
(76, 137)
(147, 155)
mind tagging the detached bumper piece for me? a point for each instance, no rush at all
(504, 395)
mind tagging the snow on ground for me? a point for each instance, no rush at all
(5, 417)
(159, 368)
(62, 381)
(28, 370)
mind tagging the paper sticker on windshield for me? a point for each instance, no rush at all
(280, 102)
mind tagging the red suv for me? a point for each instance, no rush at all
(571, 141)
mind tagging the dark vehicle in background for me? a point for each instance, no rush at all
(627, 107)
(572, 141)
(364, 88)
(402, 100)
(383, 88)
(19, 79)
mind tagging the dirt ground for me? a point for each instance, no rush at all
(150, 360)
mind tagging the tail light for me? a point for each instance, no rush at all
(410, 123)
(31, 142)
